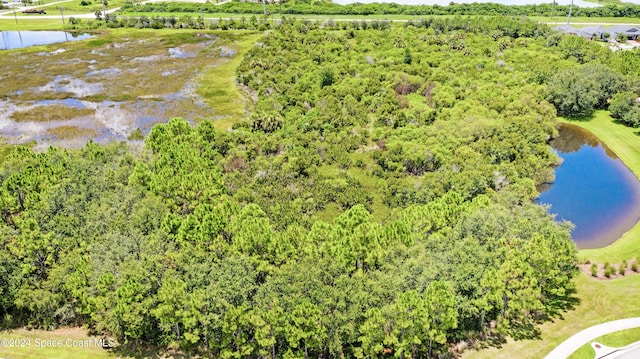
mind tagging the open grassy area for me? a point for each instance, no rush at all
(600, 301)
(65, 343)
(614, 340)
(8, 23)
(217, 84)
(625, 142)
(75, 6)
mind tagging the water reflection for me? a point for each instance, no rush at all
(593, 189)
(572, 138)
(19, 39)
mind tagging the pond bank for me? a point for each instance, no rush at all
(623, 141)
(593, 189)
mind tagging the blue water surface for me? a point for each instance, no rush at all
(593, 189)
(18, 39)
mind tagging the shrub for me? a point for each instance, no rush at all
(634, 266)
(594, 270)
(622, 268)
(608, 271)
(85, 3)
(135, 135)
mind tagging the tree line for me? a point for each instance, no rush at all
(328, 8)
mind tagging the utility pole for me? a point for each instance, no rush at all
(569, 17)
(264, 4)
(104, 11)
(14, 14)
(62, 14)
(553, 9)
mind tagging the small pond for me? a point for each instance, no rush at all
(593, 189)
(18, 39)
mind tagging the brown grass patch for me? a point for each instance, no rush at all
(70, 132)
(50, 113)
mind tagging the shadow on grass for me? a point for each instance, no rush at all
(622, 123)
(585, 117)
(558, 305)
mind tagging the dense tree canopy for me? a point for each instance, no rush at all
(377, 200)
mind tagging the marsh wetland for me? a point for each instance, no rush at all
(107, 88)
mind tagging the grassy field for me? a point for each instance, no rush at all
(625, 142)
(217, 84)
(8, 23)
(74, 6)
(600, 301)
(65, 343)
(614, 340)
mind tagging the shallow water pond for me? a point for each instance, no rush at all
(593, 189)
(19, 39)
(105, 89)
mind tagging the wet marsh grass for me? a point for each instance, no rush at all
(70, 132)
(134, 70)
(49, 113)
(218, 84)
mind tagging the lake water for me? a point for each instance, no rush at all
(19, 39)
(593, 189)
(446, 2)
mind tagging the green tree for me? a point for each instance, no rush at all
(440, 309)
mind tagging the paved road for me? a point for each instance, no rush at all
(572, 344)
(631, 354)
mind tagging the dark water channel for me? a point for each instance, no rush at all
(593, 189)
(18, 39)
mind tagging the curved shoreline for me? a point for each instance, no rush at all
(601, 214)
(620, 139)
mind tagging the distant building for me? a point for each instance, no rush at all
(600, 33)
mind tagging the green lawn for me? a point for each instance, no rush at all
(600, 301)
(73, 7)
(65, 343)
(29, 23)
(625, 142)
(614, 340)
(609, 2)
(217, 85)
